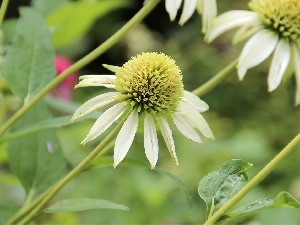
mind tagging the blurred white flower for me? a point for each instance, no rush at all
(149, 87)
(207, 8)
(273, 27)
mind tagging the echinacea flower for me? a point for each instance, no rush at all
(65, 89)
(208, 9)
(274, 26)
(150, 87)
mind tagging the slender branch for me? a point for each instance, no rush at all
(215, 80)
(255, 180)
(3, 10)
(82, 62)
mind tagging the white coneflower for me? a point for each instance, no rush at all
(275, 27)
(208, 9)
(150, 86)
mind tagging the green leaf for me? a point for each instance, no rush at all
(81, 204)
(283, 199)
(45, 7)
(108, 161)
(179, 183)
(71, 21)
(36, 159)
(218, 187)
(29, 63)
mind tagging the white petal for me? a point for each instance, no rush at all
(209, 13)
(245, 32)
(189, 8)
(185, 128)
(95, 103)
(279, 63)
(296, 58)
(230, 20)
(111, 68)
(172, 7)
(256, 50)
(195, 119)
(150, 141)
(195, 101)
(96, 80)
(167, 135)
(125, 137)
(105, 120)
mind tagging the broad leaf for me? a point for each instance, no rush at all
(29, 63)
(71, 21)
(36, 159)
(283, 199)
(108, 161)
(179, 183)
(217, 188)
(81, 204)
(45, 7)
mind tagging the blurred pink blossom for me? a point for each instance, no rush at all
(65, 89)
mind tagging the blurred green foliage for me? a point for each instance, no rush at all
(248, 123)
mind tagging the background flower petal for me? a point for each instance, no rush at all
(189, 8)
(256, 50)
(230, 20)
(172, 7)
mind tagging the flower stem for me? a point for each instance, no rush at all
(104, 145)
(3, 10)
(82, 62)
(215, 80)
(26, 208)
(255, 180)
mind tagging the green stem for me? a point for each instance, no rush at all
(84, 61)
(215, 80)
(255, 180)
(3, 10)
(26, 207)
(80, 167)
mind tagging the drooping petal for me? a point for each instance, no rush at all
(96, 80)
(230, 20)
(296, 59)
(125, 137)
(245, 32)
(185, 128)
(195, 101)
(167, 135)
(111, 67)
(195, 119)
(95, 103)
(279, 63)
(172, 7)
(150, 141)
(189, 8)
(256, 50)
(209, 13)
(104, 121)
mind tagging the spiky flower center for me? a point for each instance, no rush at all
(150, 82)
(283, 16)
